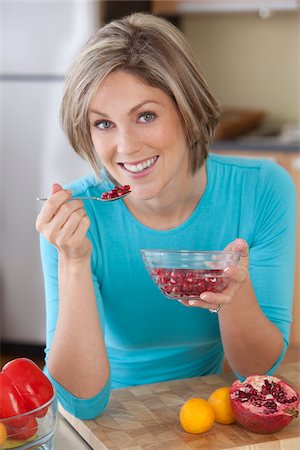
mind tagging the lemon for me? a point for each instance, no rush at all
(3, 433)
(196, 416)
(220, 402)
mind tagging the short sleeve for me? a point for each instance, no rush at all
(272, 251)
(81, 408)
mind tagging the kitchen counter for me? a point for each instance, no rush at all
(256, 145)
(66, 438)
(146, 418)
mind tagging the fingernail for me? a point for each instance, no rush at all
(239, 244)
(192, 302)
(204, 296)
(228, 271)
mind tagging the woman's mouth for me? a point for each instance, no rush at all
(141, 166)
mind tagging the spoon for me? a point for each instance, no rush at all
(90, 198)
(116, 193)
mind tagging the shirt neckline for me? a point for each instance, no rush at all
(188, 221)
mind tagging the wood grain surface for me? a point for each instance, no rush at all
(147, 418)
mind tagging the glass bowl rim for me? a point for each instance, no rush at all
(192, 252)
(32, 411)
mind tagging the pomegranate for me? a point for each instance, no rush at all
(188, 283)
(117, 191)
(263, 404)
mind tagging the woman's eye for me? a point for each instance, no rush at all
(103, 124)
(147, 116)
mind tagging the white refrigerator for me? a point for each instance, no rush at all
(38, 42)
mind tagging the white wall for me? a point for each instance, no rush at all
(250, 62)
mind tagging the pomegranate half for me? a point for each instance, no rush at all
(263, 404)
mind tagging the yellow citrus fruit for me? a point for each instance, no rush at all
(220, 402)
(3, 433)
(196, 416)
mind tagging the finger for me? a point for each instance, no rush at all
(81, 230)
(56, 187)
(238, 245)
(198, 304)
(220, 298)
(241, 246)
(71, 224)
(62, 216)
(51, 207)
(237, 273)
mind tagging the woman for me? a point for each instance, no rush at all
(136, 105)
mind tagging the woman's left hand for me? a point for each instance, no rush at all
(237, 275)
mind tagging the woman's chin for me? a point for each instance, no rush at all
(142, 195)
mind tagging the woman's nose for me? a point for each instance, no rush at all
(128, 142)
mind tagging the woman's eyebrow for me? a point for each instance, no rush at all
(136, 107)
(139, 105)
(99, 113)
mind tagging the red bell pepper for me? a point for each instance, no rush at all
(11, 402)
(24, 432)
(23, 388)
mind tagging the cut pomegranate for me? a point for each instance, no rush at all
(116, 192)
(181, 284)
(263, 404)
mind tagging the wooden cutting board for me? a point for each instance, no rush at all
(146, 418)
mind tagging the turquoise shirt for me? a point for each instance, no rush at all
(150, 338)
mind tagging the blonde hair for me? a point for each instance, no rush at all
(154, 50)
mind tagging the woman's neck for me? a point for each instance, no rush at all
(173, 209)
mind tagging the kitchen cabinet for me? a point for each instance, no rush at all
(291, 162)
(181, 7)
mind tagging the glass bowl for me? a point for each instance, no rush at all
(185, 274)
(33, 429)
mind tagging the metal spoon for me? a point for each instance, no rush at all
(91, 198)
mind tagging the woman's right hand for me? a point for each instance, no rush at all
(64, 224)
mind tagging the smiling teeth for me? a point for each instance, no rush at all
(141, 166)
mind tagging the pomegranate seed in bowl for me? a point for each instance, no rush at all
(184, 275)
(187, 284)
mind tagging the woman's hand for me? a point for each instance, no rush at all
(64, 223)
(237, 275)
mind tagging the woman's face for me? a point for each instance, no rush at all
(138, 134)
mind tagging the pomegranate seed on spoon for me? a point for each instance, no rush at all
(116, 192)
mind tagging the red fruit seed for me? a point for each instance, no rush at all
(117, 191)
(188, 283)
